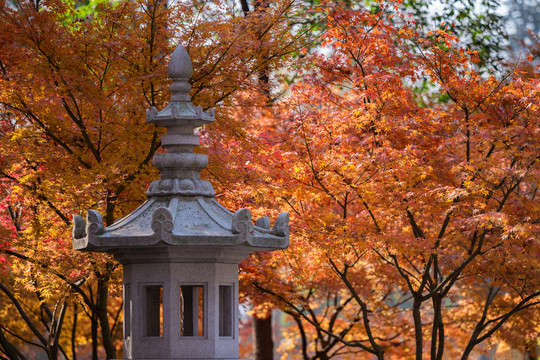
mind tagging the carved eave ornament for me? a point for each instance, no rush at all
(181, 209)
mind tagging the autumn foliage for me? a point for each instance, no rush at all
(411, 179)
(75, 84)
(414, 211)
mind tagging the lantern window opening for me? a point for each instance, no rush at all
(153, 304)
(192, 310)
(127, 311)
(226, 310)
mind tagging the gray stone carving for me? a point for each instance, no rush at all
(79, 227)
(263, 223)
(181, 248)
(162, 220)
(94, 223)
(281, 227)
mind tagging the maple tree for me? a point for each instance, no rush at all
(413, 211)
(75, 84)
(416, 210)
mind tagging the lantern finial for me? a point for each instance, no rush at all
(180, 71)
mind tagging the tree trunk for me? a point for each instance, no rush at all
(74, 333)
(263, 345)
(94, 324)
(418, 328)
(8, 348)
(108, 344)
(532, 350)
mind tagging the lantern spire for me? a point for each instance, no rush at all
(180, 168)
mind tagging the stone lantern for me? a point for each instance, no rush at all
(181, 248)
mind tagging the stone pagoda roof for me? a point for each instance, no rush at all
(181, 209)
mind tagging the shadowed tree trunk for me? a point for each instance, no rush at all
(263, 345)
(532, 350)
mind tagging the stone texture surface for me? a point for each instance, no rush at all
(171, 276)
(179, 221)
(181, 236)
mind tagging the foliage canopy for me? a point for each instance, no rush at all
(411, 179)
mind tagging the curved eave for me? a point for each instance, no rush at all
(105, 243)
(180, 222)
